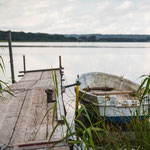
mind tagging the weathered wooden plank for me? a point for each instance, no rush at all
(22, 85)
(24, 119)
(31, 76)
(42, 145)
(46, 75)
(58, 77)
(9, 112)
(60, 106)
(50, 123)
(46, 80)
(58, 134)
(31, 116)
(44, 84)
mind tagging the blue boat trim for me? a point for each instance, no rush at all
(123, 119)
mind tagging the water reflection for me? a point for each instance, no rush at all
(132, 62)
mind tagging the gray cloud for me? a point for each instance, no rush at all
(76, 16)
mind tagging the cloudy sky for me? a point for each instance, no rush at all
(76, 16)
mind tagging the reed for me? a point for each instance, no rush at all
(4, 85)
(144, 89)
(112, 136)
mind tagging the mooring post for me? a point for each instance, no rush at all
(61, 71)
(24, 64)
(60, 66)
(61, 75)
(11, 57)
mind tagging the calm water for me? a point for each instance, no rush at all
(129, 59)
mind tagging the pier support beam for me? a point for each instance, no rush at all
(60, 66)
(11, 57)
(24, 64)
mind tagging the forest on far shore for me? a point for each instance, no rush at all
(44, 37)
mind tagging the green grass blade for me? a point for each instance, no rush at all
(54, 112)
(53, 132)
(141, 86)
(84, 127)
(91, 139)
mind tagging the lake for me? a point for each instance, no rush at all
(128, 59)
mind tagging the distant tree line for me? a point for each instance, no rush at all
(43, 37)
(114, 38)
(35, 37)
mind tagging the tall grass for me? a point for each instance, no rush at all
(4, 85)
(144, 89)
(99, 134)
(90, 131)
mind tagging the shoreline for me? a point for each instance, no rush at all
(61, 46)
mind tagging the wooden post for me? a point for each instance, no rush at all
(24, 63)
(11, 57)
(61, 75)
(60, 66)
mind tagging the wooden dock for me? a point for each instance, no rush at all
(21, 115)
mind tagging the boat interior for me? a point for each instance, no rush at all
(108, 91)
(103, 84)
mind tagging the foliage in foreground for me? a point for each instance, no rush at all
(89, 131)
(89, 134)
(4, 85)
(102, 135)
(144, 88)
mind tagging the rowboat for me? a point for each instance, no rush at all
(114, 97)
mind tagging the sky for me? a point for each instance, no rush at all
(76, 16)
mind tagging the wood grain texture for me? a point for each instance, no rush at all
(32, 113)
(43, 84)
(23, 85)
(22, 117)
(31, 76)
(46, 75)
(9, 112)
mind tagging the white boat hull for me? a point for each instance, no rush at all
(123, 115)
(110, 107)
